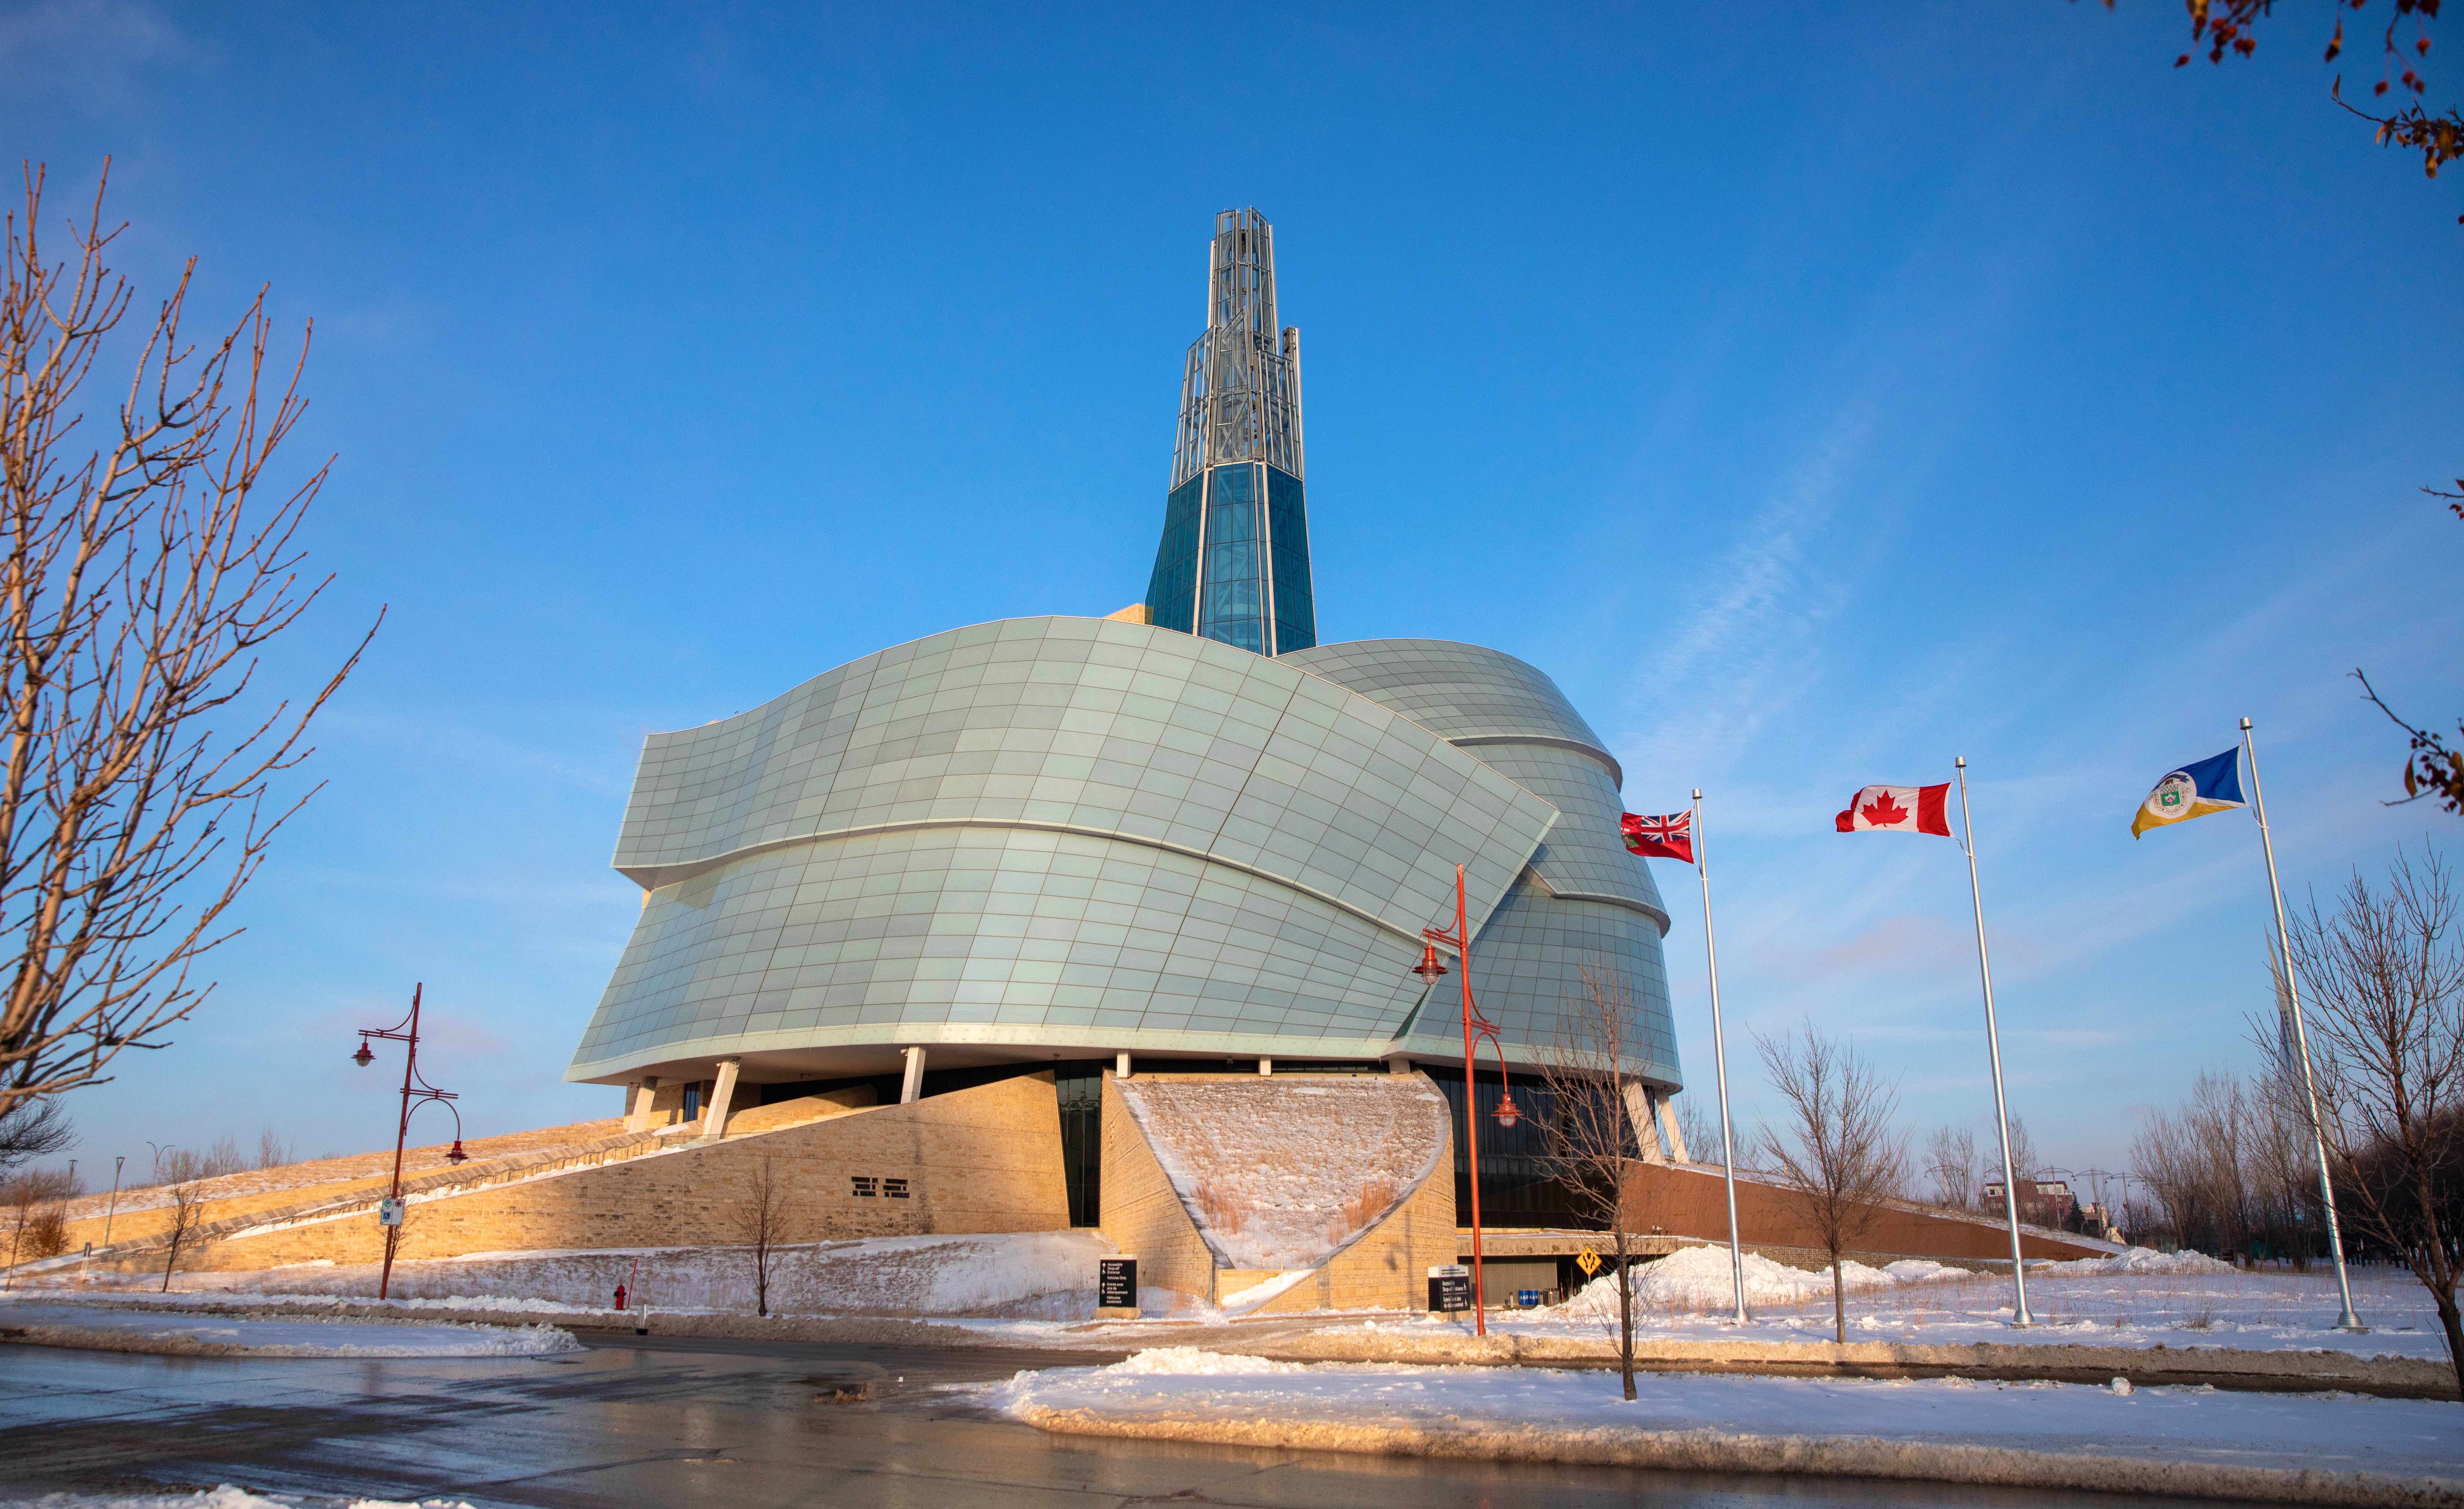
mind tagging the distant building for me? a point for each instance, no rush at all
(2042, 1202)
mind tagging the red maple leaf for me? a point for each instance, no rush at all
(1883, 812)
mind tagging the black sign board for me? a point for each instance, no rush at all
(1117, 1283)
(1450, 1287)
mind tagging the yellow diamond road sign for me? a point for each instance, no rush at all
(1589, 1262)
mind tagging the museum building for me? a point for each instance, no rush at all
(1106, 923)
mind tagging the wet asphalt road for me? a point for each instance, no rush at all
(637, 1422)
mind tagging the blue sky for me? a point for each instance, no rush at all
(1815, 397)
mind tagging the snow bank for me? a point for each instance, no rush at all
(2135, 1260)
(1192, 1362)
(2201, 1442)
(224, 1497)
(904, 1275)
(1700, 1279)
(117, 1329)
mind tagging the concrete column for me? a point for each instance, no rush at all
(1668, 1128)
(637, 1115)
(912, 1088)
(1641, 1115)
(1265, 1066)
(713, 1122)
(1120, 1065)
(1398, 1065)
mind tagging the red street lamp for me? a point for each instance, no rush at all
(415, 1093)
(1475, 1027)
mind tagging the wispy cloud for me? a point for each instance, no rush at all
(86, 54)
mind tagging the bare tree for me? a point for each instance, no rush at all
(1950, 1162)
(141, 578)
(762, 1218)
(272, 1152)
(32, 1202)
(1839, 1156)
(1588, 1138)
(31, 1129)
(2387, 1036)
(180, 1169)
(1698, 1122)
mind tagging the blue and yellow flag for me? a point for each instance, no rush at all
(2210, 785)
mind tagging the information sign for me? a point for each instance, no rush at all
(1117, 1283)
(389, 1213)
(1449, 1287)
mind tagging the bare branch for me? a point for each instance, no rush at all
(141, 578)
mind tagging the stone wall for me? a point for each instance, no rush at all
(985, 1159)
(1688, 1201)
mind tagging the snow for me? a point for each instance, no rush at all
(1240, 1302)
(876, 1276)
(140, 1329)
(1279, 1176)
(224, 1497)
(2139, 1299)
(1531, 1411)
(1703, 1277)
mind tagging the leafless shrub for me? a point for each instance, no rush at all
(146, 578)
(763, 1216)
(1950, 1163)
(2385, 981)
(1698, 1122)
(272, 1152)
(32, 1205)
(1588, 1138)
(1839, 1155)
(179, 1168)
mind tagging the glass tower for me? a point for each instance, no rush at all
(1234, 564)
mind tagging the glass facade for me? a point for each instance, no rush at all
(1172, 591)
(1288, 523)
(1233, 565)
(1080, 1088)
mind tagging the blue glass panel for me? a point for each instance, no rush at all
(1172, 589)
(1232, 605)
(1295, 605)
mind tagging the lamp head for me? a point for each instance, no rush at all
(364, 1058)
(1430, 965)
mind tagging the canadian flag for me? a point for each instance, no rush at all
(1899, 809)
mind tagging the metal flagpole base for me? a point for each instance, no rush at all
(2022, 1321)
(2352, 1322)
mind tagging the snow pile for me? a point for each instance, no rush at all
(2134, 1261)
(137, 1329)
(877, 1275)
(224, 1497)
(2216, 1444)
(1191, 1361)
(1280, 1176)
(1700, 1279)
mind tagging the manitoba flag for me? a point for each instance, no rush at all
(1899, 809)
(1668, 838)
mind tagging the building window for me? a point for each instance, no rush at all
(692, 1101)
(865, 1186)
(895, 1189)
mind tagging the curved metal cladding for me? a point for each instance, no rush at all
(1043, 835)
(1586, 903)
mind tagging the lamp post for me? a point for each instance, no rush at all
(1475, 1028)
(415, 1093)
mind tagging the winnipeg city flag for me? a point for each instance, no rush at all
(2204, 786)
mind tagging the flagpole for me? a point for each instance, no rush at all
(1720, 1057)
(2019, 1316)
(2349, 1322)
